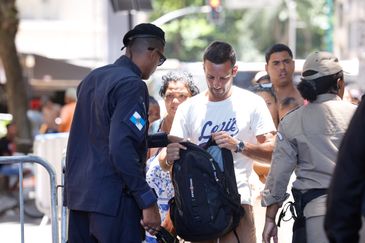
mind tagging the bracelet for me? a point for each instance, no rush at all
(169, 164)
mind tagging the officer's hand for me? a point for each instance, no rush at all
(270, 231)
(151, 220)
(173, 152)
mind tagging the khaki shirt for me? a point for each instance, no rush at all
(307, 142)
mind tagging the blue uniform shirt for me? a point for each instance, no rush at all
(107, 145)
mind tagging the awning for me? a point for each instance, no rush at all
(50, 74)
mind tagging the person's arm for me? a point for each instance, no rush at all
(270, 228)
(261, 151)
(346, 193)
(127, 139)
(282, 166)
(262, 170)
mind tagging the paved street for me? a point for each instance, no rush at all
(33, 232)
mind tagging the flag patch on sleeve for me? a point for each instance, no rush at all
(137, 120)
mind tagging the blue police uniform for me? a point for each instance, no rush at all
(105, 163)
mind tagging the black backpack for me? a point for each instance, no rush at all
(206, 204)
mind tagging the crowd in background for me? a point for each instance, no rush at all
(289, 105)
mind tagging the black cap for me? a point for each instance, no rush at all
(144, 30)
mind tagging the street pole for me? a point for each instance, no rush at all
(329, 32)
(292, 30)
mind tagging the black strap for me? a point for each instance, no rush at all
(238, 239)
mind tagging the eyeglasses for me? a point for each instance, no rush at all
(262, 87)
(162, 57)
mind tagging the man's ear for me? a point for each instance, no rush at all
(340, 83)
(234, 70)
(266, 68)
(340, 87)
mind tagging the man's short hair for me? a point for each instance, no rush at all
(279, 47)
(219, 52)
(140, 45)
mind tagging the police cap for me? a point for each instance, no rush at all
(144, 30)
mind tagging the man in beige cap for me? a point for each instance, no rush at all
(307, 142)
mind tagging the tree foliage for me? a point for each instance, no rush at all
(250, 31)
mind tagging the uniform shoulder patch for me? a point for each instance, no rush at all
(137, 120)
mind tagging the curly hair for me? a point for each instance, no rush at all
(185, 77)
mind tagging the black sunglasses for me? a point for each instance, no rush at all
(162, 57)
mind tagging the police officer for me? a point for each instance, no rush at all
(307, 141)
(106, 191)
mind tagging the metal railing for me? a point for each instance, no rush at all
(8, 160)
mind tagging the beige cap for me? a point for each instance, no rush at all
(322, 63)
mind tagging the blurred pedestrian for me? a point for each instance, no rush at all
(265, 90)
(105, 186)
(35, 116)
(67, 111)
(307, 141)
(261, 78)
(51, 111)
(153, 113)
(235, 118)
(7, 148)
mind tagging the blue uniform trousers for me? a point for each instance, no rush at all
(91, 227)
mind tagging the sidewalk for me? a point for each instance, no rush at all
(33, 232)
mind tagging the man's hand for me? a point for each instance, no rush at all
(224, 140)
(270, 231)
(151, 220)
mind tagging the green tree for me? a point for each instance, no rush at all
(270, 25)
(15, 84)
(188, 36)
(250, 31)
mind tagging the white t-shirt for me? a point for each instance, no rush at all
(244, 115)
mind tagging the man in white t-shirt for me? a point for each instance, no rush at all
(237, 119)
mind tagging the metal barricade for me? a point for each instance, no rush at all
(7, 160)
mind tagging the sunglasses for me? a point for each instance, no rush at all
(265, 85)
(162, 57)
(262, 87)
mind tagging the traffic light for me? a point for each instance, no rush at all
(216, 11)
